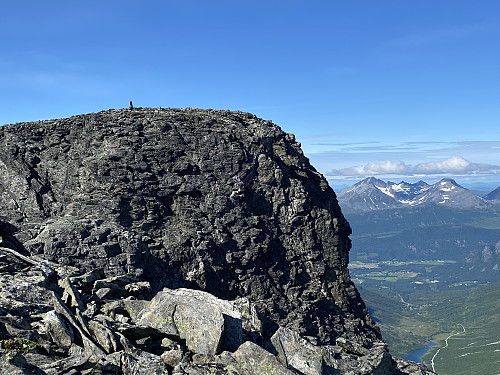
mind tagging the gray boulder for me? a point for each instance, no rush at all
(298, 353)
(103, 333)
(249, 359)
(253, 360)
(143, 363)
(172, 357)
(59, 332)
(207, 323)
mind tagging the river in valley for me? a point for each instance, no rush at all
(417, 355)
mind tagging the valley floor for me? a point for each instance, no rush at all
(462, 323)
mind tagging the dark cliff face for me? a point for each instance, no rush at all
(214, 200)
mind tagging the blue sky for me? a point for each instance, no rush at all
(403, 90)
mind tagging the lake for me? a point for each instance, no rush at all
(416, 355)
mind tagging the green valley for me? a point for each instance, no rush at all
(463, 324)
(432, 273)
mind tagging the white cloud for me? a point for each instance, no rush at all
(454, 164)
(375, 168)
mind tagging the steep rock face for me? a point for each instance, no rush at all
(213, 200)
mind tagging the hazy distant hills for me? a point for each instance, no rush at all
(494, 195)
(374, 194)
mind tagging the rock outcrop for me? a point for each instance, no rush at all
(179, 241)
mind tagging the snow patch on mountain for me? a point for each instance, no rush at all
(382, 195)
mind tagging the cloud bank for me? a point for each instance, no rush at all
(454, 164)
(375, 168)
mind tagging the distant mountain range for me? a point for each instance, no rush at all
(494, 195)
(374, 194)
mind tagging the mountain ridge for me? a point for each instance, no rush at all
(493, 195)
(375, 194)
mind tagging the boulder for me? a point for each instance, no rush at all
(253, 360)
(143, 363)
(207, 323)
(138, 288)
(296, 352)
(15, 363)
(103, 333)
(58, 331)
(172, 357)
(112, 288)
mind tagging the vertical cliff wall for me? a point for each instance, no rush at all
(213, 200)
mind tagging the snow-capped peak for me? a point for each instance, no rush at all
(372, 194)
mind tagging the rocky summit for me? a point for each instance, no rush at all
(175, 241)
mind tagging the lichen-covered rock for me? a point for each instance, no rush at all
(411, 368)
(298, 353)
(172, 357)
(143, 363)
(102, 332)
(14, 363)
(376, 361)
(207, 323)
(253, 360)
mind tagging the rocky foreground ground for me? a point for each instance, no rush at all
(55, 321)
(175, 241)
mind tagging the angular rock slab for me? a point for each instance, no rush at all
(208, 324)
(253, 360)
(59, 331)
(249, 359)
(102, 331)
(144, 363)
(296, 352)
